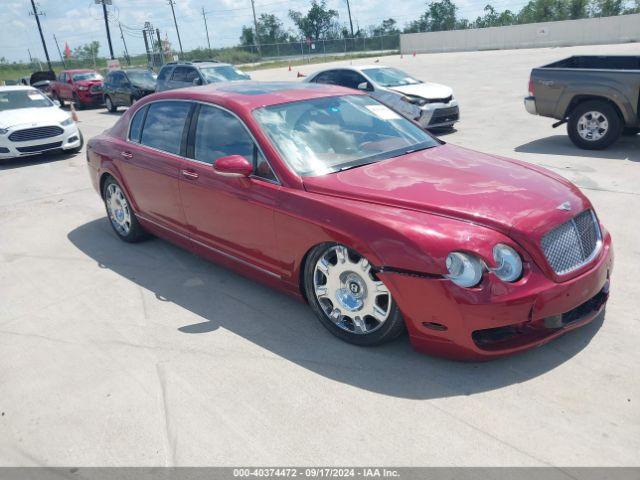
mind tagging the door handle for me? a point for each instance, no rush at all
(127, 155)
(189, 174)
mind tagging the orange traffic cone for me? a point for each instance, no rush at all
(300, 75)
(414, 53)
(289, 66)
(74, 115)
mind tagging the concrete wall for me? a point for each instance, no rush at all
(588, 31)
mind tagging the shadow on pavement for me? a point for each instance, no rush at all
(31, 160)
(289, 329)
(626, 148)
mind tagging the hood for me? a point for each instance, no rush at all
(426, 90)
(88, 83)
(458, 183)
(147, 86)
(32, 116)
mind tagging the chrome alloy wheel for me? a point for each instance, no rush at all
(118, 209)
(348, 292)
(592, 126)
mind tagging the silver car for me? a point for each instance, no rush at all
(430, 104)
(187, 74)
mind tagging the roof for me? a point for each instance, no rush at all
(198, 64)
(357, 68)
(251, 94)
(79, 70)
(9, 88)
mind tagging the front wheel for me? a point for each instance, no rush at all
(348, 298)
(594, 125)
(109, 104)
(120, 214)
(78, 104)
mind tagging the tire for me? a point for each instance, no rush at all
(109, 104)
(76, 100)
(606, 125)
(133, 232)
(631, 131)
(351, 323)
(60, 101)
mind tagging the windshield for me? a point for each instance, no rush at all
(223, 73)
(390, 77)
(143, 77)
(325, 135)
(12, 100)
(86, 76)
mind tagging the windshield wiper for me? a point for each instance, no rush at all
(349, 167)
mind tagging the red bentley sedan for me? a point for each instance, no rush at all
(329, 195)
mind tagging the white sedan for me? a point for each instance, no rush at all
(30, 123)
(430, 104)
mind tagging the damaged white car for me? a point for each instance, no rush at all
(430, 104)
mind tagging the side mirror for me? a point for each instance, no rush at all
(233, 166)
(365, 86)
(56, 103)
(197, 81)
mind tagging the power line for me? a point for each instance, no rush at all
(37, 14)
(126, 52)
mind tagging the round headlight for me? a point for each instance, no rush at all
(508, 263)
(464, 270)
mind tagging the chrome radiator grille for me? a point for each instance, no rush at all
(35, 133)
(572, 244)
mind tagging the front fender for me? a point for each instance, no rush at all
(390, 238)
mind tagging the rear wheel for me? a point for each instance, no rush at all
(348, 298)
(60, 100)
(78, 104)
(594, 125)
(109, 104)
(120, 213)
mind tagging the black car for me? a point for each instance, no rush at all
(124, 87)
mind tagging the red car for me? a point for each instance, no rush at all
(331, 196)
(82, 87)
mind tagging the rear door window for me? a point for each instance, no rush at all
(185, 74)
(164, 125)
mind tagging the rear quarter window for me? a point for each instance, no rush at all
(164, 73)
(135, 128)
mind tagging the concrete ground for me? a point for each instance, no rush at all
(116, 354)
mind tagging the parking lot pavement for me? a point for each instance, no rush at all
(118, 354)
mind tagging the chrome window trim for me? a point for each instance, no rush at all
(146, 105)
(213, 249)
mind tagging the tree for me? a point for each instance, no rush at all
(578, 9)
(608, 8)
(270, 29)
(247, 36)
(492, 18)
(88, 51)
(440, 15)
(317, 22)
(387, 27)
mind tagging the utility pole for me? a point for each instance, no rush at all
(255, 25)
(106, 23)
(204, 16)
(172, 3)
(126, 52)
(37, 14)
(59, 52)
(161, 52)
(146, 47)
(350, 21)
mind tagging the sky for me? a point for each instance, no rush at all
(80, 21)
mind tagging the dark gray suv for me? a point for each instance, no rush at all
(187, 74)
